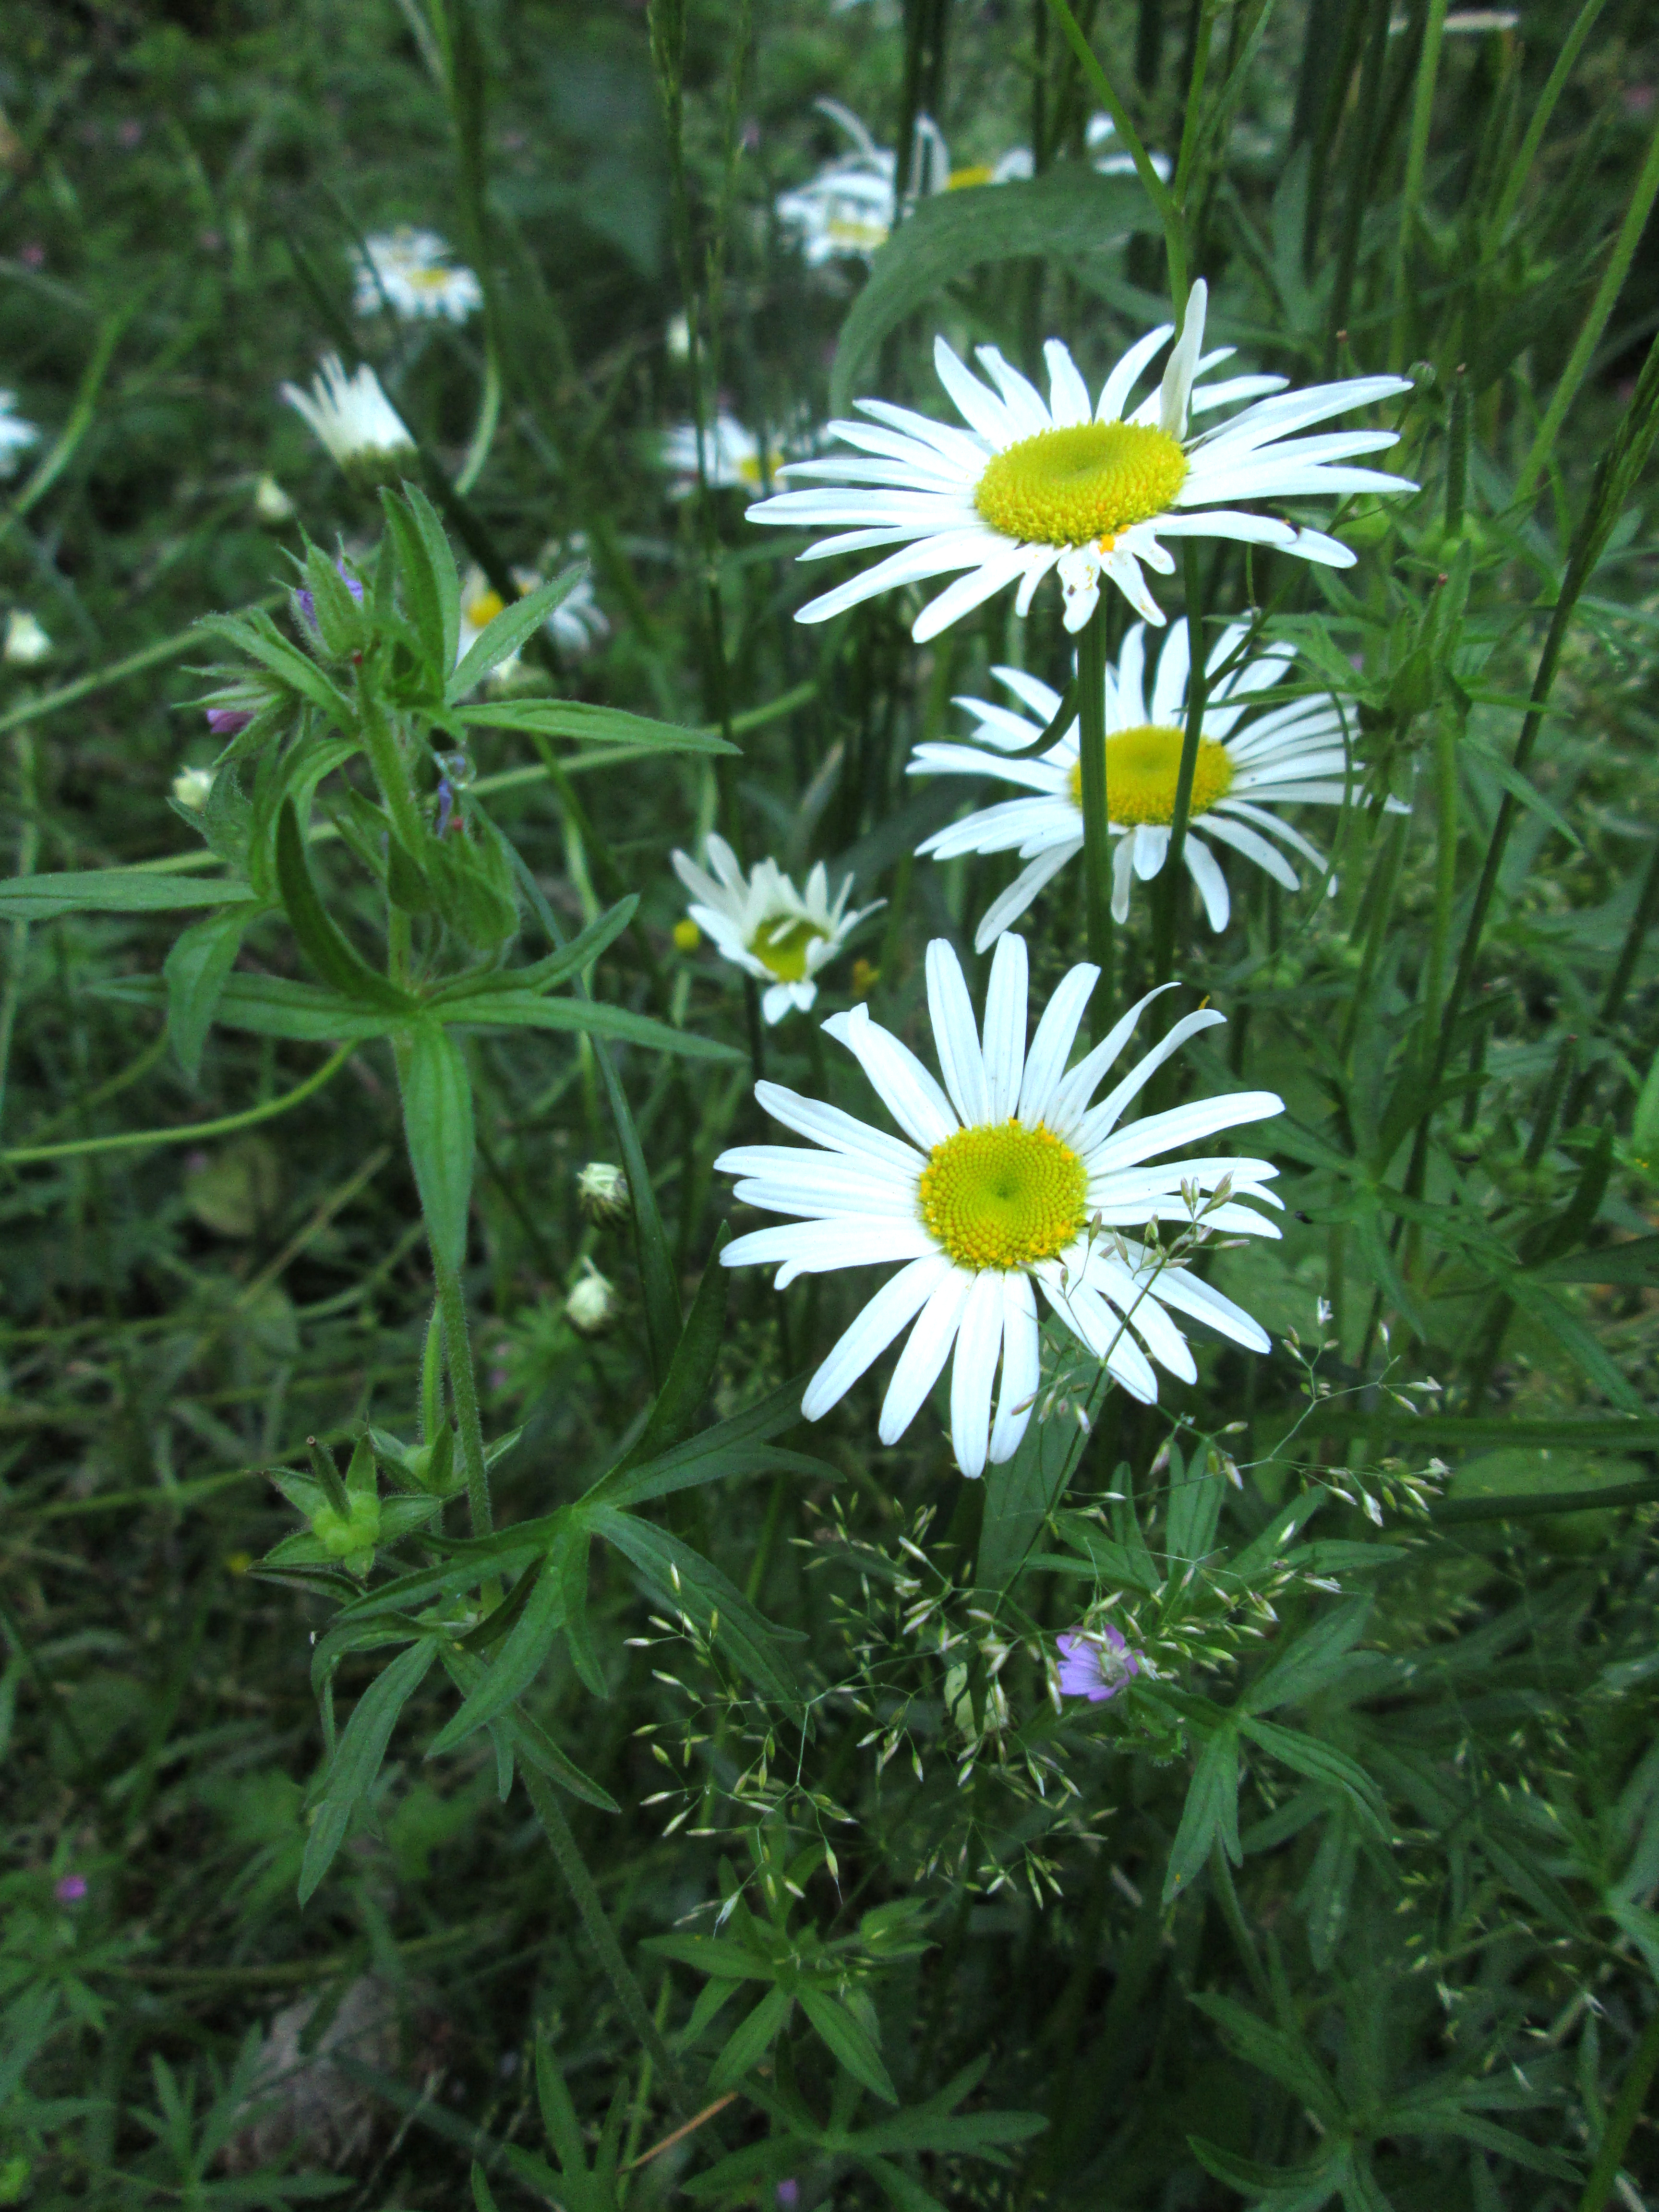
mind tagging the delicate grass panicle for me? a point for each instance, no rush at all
(828, 1392)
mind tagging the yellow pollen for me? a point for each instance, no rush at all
(1143, 767)
(1002, 1195)
(781, 946)
(483, 611)
(1069, 486)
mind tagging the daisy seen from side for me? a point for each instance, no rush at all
(411, 271)
(353, 420)
(762, 924)
(1006, 1180)
(1249, 762)
(1035, 485)
(847, 210)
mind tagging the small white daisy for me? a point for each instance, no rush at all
(16, 436)
(352, 418)
(731, 453)
(1034, 485)
(411, 271)
(576, 625)
(1292, 755)
(1006, 1179)
(762, 925)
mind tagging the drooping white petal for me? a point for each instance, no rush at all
(1005, 911)
(979, 1341)
(1169, 684)
(1022, 1367)
(955, 1035)
(892, 1309)
(922, 1360)
(1205, 872)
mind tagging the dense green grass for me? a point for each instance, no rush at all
(1349, 1897)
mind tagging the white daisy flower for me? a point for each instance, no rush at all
(1006, 1181)
(1032, 485)
(762, 924)
(576, 625)
(352, 418)
(731, 453)
(411, 271)
(1292, 755)
(16, 436)
(847, 209)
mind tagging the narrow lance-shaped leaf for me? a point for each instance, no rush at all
(357, 1760)
(437, 1094)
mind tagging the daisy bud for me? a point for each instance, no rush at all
(27, 643)
(592, 1305)
(354, 420)
(192, 786)
(602, 1191)
(271, 503)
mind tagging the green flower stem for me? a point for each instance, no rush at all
(131, 1140)
(28, 849)
(391, 771)
(1521, 168)
(602, 1936)
(1175, 230)
(1198, 690)
(1416, 157)
(464, 1389)
(1096, 840)
(1621, 2121)
(1606, 296)
(1200, 62)
(1445, 872)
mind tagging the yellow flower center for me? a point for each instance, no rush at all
(430, 279)
(483, 609)
(781, 946)
(1002, 1195)
(1143, 767)
(978, 173)
(1068, 487)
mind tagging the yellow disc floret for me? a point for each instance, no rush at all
(1086, 484)
(782, 944)
(483, 608)
(1143, 767)
(1003, 1195)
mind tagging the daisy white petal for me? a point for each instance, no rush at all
(1022, 1368)
(762, 924)
(922, 1360)
(978, 1346)
(893, 1308)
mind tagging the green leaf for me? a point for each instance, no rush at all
(1211, 1813)
(1520, 788)
(1322, 1762)
(557, 968)
(1280, 2053)
(1194, 1504)
(1020, 1494)
(265, 1005)
(113, 890)
(529, 1010)
(1634, 1263)
(421, 597)
(534, 1747)
(258, 636)
(1281, 2188)
(692, 1368)
(739, 1445)
(444, 574)
(357, 1760)
(321, 941)
(718, 1955)
(195, 969)
(571, 1566)
(1068, 213)
(1312, 1662)
(437, 1093)
(847, 2042)
(592, 725)
(705, 1595)
(518, 1661)
(752, 2039)
(508, 631)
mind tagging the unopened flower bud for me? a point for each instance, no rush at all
(687, 936)
(27, 643)
(592, 1304)
(271, 502)
(602, 1191)
(192, 786)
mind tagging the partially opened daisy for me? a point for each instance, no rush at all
(1294, 754)
(762, 924)
(411, 271)
(1006, 1181)
(1033, 485)
(352, 418)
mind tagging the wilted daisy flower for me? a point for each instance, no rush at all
(1292, 755)
(1006, 1181)
(763, 926)
(411, 271)
(731, 454)
(16, 436)
(1034, 485)
(576, 625)
(1095, 1667)
(352, 416)
(602, 1191)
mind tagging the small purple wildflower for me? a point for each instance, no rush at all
(307, 606)
(70, 1889)
(445, 804)
(788, 2194)
(227, 721)
(1095, 1667)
